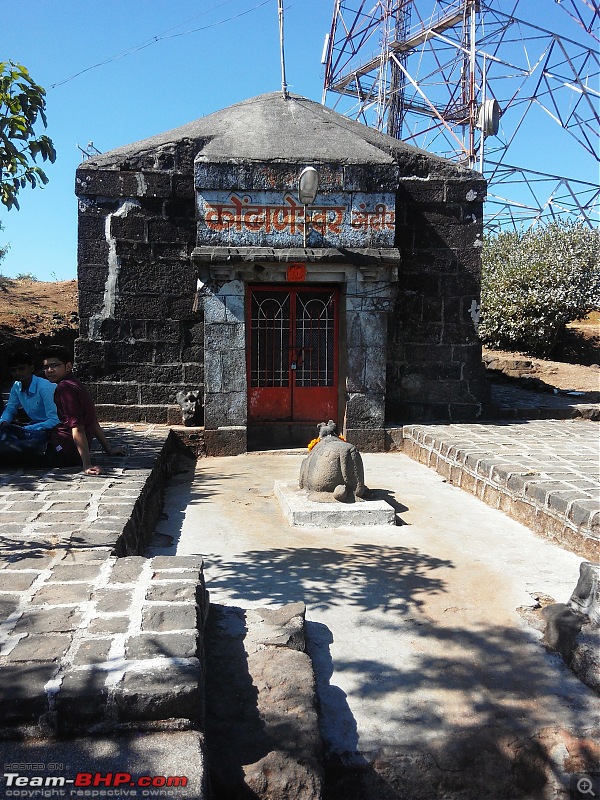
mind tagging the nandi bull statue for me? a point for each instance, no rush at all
(333, 467)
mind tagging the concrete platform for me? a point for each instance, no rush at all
(302, 512)
(430, 680)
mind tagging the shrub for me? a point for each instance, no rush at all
(534, 282)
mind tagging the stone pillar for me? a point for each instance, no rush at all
(368, 303)
(225, 386)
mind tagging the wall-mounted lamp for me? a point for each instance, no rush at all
(308, 186)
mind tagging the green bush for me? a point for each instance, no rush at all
(534, 282)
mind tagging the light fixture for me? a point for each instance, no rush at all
(308, 185)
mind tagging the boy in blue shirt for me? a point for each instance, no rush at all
(34, 396)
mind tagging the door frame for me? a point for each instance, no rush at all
(295, 392)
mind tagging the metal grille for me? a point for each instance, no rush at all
(315, 339)
(270, 344)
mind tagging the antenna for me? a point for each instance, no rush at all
(284, 90)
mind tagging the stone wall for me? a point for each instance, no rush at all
(434, 366)
(141, 332)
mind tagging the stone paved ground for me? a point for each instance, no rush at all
(90, 641)
(545, 473)
(513, 402)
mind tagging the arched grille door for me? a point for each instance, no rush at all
(292, 354)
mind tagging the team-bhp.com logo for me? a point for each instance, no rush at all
(92, 784)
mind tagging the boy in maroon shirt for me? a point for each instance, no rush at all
(73, 438)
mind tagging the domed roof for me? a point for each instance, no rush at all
(271, 127)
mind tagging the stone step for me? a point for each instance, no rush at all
(262, 729)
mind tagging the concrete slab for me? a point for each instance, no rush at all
(420, 652)
(300, 511)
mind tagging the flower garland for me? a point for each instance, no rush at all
(313, 442)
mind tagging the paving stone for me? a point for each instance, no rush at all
(22, 694)
(85, 557)
(62, 593)
(177, 562)
(169, 618)
(75, 572)
(8, 604)
(40, 647)
(92, 651)
(175, 591)
(48, 620)
(113, 600)
(108, 625)
(170, 693)
(127, 570)
(174, 645)
(82, 698)
(17, 581)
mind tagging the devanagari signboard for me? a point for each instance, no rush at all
(272, 219)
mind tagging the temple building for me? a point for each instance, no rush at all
(291, 265)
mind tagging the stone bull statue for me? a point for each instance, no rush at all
(333, 466)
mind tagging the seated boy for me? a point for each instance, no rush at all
(35, 397)
(71, 441)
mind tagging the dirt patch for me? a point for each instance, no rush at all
(542, 375)
(34, 314)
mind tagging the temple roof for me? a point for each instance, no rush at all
(274, 128)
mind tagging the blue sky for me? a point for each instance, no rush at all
(209, 55)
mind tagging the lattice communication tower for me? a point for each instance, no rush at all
(484, 84)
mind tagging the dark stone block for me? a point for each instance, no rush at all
(156, 184)
(163, 330)
(192, 354)
(92, 251)
(142, 306)
(462, 191)
(165, 353)
(420, 192)
(134, 251)
(226, 441)
(161, 394)
(90, 303)
(94, 182)
(132, 227)
(370, 440)
(183, 186)
(162, 694)
(462, 285)
(136, 352)
(459, 334)
(172, 252)
(181, 209)
(193, 333)
(143, 373)
(120, 393)
(193, 374)
(87, 350)
(92, 225)
(92, 278)
(162, 230)
(22, 694)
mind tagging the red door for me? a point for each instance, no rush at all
(292, 354)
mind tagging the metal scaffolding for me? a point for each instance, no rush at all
(473, 81)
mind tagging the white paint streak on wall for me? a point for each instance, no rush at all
(474, 312)
(114, 265)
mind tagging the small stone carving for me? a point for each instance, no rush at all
(191, 405)
(333, 467)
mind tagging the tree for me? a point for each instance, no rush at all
(535, 282)
(22, 106)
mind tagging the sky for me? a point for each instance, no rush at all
(162, 64)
